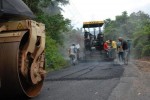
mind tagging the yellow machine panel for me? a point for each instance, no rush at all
(92, 24)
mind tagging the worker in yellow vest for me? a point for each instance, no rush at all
(113, 48)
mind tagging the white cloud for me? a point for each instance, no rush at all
(86, 10)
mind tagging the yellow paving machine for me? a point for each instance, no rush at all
(91, 39)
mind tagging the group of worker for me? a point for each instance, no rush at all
(117, 50)
(114, 49)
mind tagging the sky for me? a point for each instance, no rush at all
(79, 11)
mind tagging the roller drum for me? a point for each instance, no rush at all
(14, 82)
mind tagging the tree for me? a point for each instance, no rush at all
(38, 6)
(55, 25)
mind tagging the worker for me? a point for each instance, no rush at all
(73, 53)
(120, 52)
(106, 48)
(78, 51)
(124, 47)
(113, 48)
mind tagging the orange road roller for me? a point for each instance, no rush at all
(22, 58)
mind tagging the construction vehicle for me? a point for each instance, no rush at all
(91, 40)
(22, 56)
(94, 42)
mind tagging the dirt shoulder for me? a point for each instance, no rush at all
(142, 65)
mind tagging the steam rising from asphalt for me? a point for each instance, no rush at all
(74, 36)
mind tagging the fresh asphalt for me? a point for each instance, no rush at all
(84, 81)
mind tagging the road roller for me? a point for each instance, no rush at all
(22, 58)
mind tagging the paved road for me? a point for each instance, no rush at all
(85, 81)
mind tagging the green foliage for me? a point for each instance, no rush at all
(146, 51)
(33, 5)
(37, 5)
(45, 3)
(54, 60)
(116, 28)
(137, 51)
(55, 26)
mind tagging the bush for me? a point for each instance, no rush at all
(146, 51)
(138, 50)
(54, 60)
